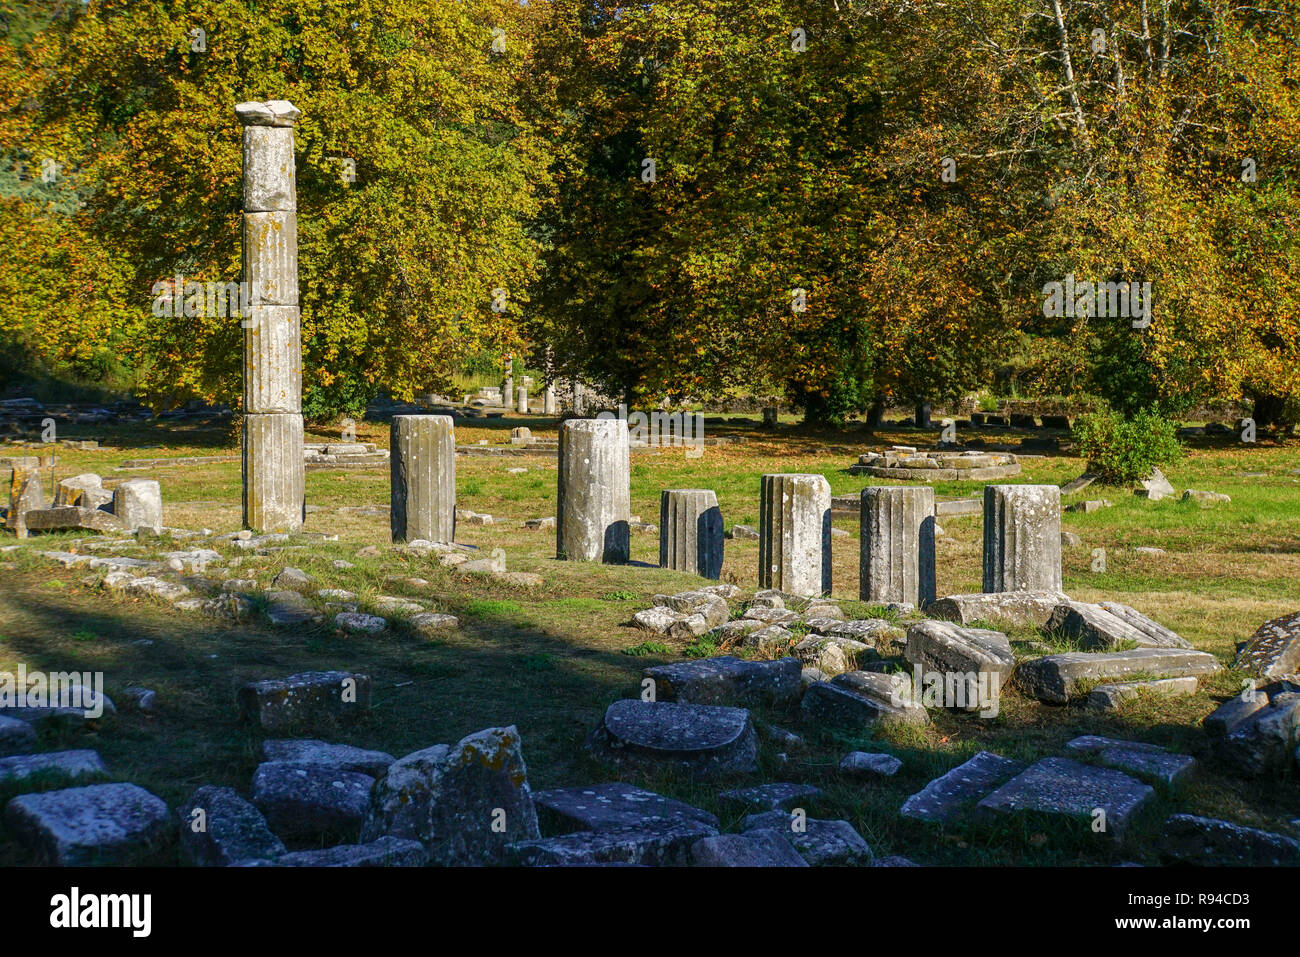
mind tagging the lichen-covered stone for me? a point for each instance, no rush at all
(950, 795)
(423, 478)
(753, 849)
(974, 662)
(1190, 839)
(1109, 624)
(465, 802)
(137, 503)
(1054, 678)
(820, 843)
(97, 824)
(1274, 649)
(305, 802)
(1022, 608)
(280, 703)
(863, 699)
(690, 532)
(57, 765)
(218, 828)
(667, 845)
(382, 852)
(323, 754)
(598, 807)
(778, 796)
(1059, 787)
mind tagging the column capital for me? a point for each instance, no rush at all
(270, 113)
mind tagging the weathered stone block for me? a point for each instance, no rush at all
(1059, 787)
(1189, 839)
(753, 849)
(274, 480)
(1019, 608)
(1274, 649)
(305, 802)
(949, 796)
(137, 503)
(270, 178)
(1055, 678)
(973, 663)
(98, 824)
(272, 360)
(280, 703)
(1109, 624)
(614, 805)
(219, 828)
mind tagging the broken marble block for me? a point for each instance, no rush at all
(597, 807)
(699, 740)
(752, 849)
(279, 703)
(308, 752)
(863, 699)
(1262, 740)
(1147, 761)
(1190, 839)
(1274, 650)
(1018, 608)
(218, 828)
(464, 802)
(728, 681)
(71, 518)
(97, 824)
(955, 793)
(305, 802)
(382, 852)
(1110, 696)
(1105, 799)
(59, 765)
(778, 796)
(1109, 624)
(137, 503)
(658, 845)
(1054, 678)
(820, 843)
(970, 664)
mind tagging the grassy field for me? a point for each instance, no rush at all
(550, 659)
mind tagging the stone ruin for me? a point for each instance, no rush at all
(907, 464)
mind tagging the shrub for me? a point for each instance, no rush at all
(1123, 449)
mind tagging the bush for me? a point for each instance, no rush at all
(1125, 449)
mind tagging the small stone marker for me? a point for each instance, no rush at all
(98, 824)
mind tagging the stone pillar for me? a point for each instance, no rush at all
(550, 403)
(897, 531)
(25, 495)
(422, 462)
(273, 476)
(522, 394)
(690, 532)
(137, 503)
(1022, 538)
(508, 385)
(794, 534)
(593, 505)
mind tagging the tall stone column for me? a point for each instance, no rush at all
(422, 459)
(690, 532)
(273, 475)
(550, 402)
(1022, 538)
(521, 394)
(897, 527)
(594, 503)
(794, 534)
(508, 385)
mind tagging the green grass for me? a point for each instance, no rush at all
(550, 659)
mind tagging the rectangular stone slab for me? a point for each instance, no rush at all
(1060, 787)
(729, 681)
(1109, 624)
(1274, 650)
(1024, 608)
(1055, 678)
(947, 797)
(598, 807)
(70, 518)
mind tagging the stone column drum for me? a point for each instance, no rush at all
(1022, 538)
(550, 403)
(422, 462)
(897, 530)
(521, 394)
(593, 504)
(137, 503)
(690, 532)
(273, 479)
(794, 534)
